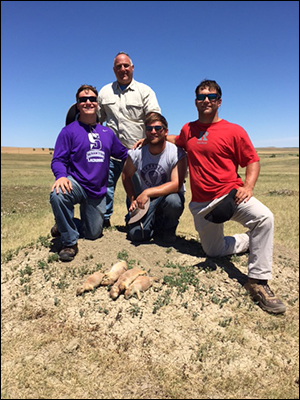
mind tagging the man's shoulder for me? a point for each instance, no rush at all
(172, 148)
(140, 85)
(107, 88)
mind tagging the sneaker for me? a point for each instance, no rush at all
(106, 223)
(54, 231)
(261, 292)
(68, 253)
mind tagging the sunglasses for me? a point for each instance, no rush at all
(210, 96)
(84, 99)
(157, 128)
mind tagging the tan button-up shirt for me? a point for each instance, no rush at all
(125, 111)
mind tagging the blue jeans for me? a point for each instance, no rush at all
(162, 218)
(92, 211)
(115, 170)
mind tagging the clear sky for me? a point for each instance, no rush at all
(251, 48)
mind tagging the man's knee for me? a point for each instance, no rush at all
(139, 235)
(213, 249)
(94, 234)
(173, 205)
(56, 198)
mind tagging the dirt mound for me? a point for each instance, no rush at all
(192, 334)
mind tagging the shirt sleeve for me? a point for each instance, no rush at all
(61, 155)
(118, 150)
(245, 151)
(150, 101)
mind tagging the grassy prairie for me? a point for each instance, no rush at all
(195, 334)
(26, 180)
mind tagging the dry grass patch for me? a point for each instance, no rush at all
(194, 334)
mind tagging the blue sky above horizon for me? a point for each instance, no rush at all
(251, 48)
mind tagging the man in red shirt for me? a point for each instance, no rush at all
(215, 149)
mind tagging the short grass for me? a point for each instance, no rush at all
(26, 214)
(51, 351)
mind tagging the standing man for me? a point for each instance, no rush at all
(80, 165)
(162, 168)
(215, 149)
(124, 104)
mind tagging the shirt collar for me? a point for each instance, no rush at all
(131, 86)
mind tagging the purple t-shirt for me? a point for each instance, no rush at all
(83, 152)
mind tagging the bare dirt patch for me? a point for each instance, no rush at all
(194, 334)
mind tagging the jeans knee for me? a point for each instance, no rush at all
(139, 235)
(93, 235)
(55, 198)
(173, 206)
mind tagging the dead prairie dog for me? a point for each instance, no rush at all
(129, 276)
(91, 282)
(115, 290)
(140, 284)
(125, 279)
(112, 276)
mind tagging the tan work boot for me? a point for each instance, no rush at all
(260, 292)
(68, 253)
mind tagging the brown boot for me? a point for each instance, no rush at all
(68, 253)
(260, 292)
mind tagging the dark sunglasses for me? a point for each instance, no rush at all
(157, 128)
(210, 96)
(84, 99)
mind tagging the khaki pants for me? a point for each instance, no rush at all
(254, 216)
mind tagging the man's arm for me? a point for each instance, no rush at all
(127, 172)
(245, 192)
(171, 138)
(173, 186)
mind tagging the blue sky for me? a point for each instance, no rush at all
(251, 48)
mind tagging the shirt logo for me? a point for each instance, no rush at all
(153, 175)
(95, 154)
(202, 139)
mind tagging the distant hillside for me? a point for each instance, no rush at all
(46, 150)
(26, 150)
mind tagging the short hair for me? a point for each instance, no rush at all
(155, 116)
(86, 87)
(211, 85)
(123, 52)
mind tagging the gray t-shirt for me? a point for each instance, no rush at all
(155, 170)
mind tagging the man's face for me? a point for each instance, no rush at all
(156, 133)
(87, 103)
(207, 105)
(123, 69)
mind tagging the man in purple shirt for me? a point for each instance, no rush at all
(80, 165)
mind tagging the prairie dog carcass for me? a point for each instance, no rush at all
(115, 290)
(140, 284)
(112, 276)
(124, 281)
(129, 276)
(91, 282)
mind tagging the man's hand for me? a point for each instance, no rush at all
(139, 143)
(140, 201)
(63, 183)
(243, 194)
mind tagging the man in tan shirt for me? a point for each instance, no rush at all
(123, 105)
